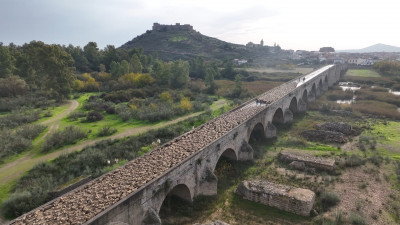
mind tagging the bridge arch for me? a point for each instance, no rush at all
(229, 154)
(257, 132)
(293, 105)
(278, 117)
(305, 96)
(180, 191)
(314, 89)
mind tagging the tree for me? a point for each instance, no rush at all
(135, 64)
(50, 69)
(6, 62)
(92, 54)
(80, 62)
(161, 72)
(238, 86)
(125, 67)
(210, 83)
(228, 72)
(179, 74)
(115, 69)
(110, 54)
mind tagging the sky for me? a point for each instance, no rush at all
(293, 24)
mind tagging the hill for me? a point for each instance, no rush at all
(374, 48)
(173, 42)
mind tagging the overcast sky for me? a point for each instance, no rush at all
(293, 24)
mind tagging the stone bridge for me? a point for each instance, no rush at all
(184, 167)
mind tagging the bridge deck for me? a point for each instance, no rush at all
(81, 205)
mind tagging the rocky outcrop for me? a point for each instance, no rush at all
(296, 200)
(217, 222)
(324, 136)
(301, 162)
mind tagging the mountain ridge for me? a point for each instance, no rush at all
(374, 48)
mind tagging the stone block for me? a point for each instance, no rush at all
(295, 200)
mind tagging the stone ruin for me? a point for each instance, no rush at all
(217, 222)
(301, 162)
(177, 26)
(295, 200)
(331, 132)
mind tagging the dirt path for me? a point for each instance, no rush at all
(15, 169)
(73, 105)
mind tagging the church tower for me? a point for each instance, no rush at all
(262, 42)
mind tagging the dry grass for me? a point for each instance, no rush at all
(377, 108)
(256, 87)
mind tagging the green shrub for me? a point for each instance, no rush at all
(94, 116)
(70, 135)
(124, 112)
(329, 199)
(76, 115)
(354, 160)
(18, 118)
(376, 160)
(30, 131)
(356, 219)
(106, 131)
(17, 204)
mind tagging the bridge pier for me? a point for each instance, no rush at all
(301, 106)
(287, 116)
(270, 130)
(208, 183)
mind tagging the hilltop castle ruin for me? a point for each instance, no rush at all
(177, 26)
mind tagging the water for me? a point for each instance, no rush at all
(394, 92)
(349, 86)
(345, 101)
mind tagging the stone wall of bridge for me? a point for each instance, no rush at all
(189, 168)
(195, 176)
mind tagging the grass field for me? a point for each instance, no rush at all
(362, 73)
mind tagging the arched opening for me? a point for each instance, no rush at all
(228, 154)
(326, 79)
(314, 90)
(320, 84)
(305, 95)
(293, 105)
(177, 203)
(225, 169)
(278, 117)
(257, 134)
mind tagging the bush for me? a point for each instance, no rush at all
(76, 115)
(329, 199)
(70, 135)
(354, 160)
(11, 144)
(18, 118)
(30, 131)
(17, 204)
(106, 131)
(124, 112)
(94, 116)
(356, 219)
(110, 110)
